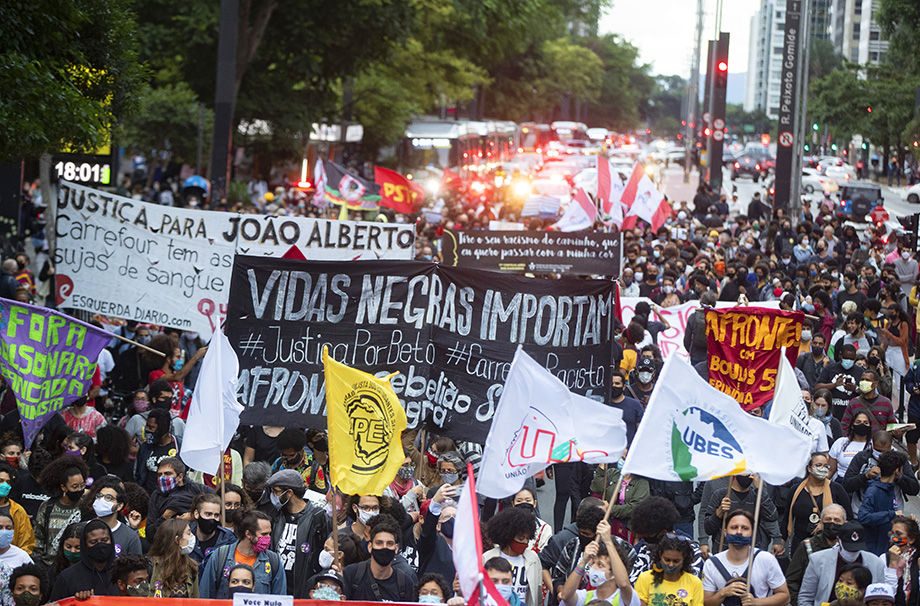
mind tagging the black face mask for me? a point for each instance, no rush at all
(255, 495)
(583, 541)
(862, 430)
(100, 552)
(744, 481)
(384, 556)
(831, 530)
(208, 525)
(447, 528)
(75, 495)
(616, 392)
(162, 403)
(240, 589)
(528, 507)
(321, 444)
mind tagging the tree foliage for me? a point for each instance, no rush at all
(900, 22)
(68, 68)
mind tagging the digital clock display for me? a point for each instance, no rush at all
(85, 172)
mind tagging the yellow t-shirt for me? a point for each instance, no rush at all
(686, 591)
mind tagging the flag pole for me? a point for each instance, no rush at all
(725, 514)
(613, 498)
(754, 533)
(136, 344)
(335, 525)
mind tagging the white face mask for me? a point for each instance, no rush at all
(103, 508)
(505, 591)
(366, 516)
(597, 577)
(326, 559)
(187, 549)
(847, 556)
(645, 377)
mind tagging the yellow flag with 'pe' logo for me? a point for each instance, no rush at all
(366, 422)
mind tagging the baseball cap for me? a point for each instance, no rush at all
(879, 591)
(646, 364)
(852, 536)
(287, 478)
(327, 574)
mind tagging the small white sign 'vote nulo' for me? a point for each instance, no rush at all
(262, 599)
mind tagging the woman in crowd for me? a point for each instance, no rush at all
(851, 583)
(858, 438)
(810, 497)
(671, 579)
(511, 530)
(65, 479)
(432, 589)
(81, 445)
(175, 573)
(241, 579)
(68, 552)
(114, 448)
(821, 410)
(527, 500)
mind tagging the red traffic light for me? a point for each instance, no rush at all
(869, 109)
(723, 66)
(707, 132)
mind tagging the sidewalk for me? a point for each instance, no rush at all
(673, 186)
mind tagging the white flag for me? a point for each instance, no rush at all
(693, 431)
(788, 408)
(579, 214)
(539, 422)
(467, 548)
(319, 180)
(214, 413)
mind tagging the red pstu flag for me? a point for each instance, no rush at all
(397, 192)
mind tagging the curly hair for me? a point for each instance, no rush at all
(138, 499)
(432, 577)
(510, 523)
(59, 470)
(30, 570)
(127, 563)
(112, 444)
(161, 343)
(652, 516)
(384, 523)
(671, 544)
(588, 519)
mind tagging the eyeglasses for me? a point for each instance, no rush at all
(369, 508)
(107, 497)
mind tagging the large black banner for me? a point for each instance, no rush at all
(451, 333)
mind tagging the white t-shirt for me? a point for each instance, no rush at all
(14, 556)
(582, 597)
(518, 576)
(819, 435)
(766, 575)
(843, 450)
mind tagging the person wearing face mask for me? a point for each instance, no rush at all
(131, 575)
(159, 443)
(642, 381)
(364, 508)
(845, 448)
(880, 410)
(136, 425)
(820, 581)
(810, 497)
(376, 579)
(173, 485)
(850, 292)
(82, 417)
(725, 573)
(511, 530)
(435, 542)
(842, 379)
(631, 407)
(452, 470)
(253, 535)
(649, 281)
(64, 477)
(501, 574)
(629, 285)
(27, 585)
(10, 555)
(671, 580)
(92, 574)
(299, 523)
(108, 500)
(175, 573)
(602, 563)
(426, 463)
(406, 489)
(328, 586)
(174, 368)
(879, 505)
(526, 499)
(825, 537)
(906, 268)
(812, 362)
(633, 490)
(24, 537)
(209, 534)
(741, 493)
(130, 368)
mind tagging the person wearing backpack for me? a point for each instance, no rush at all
(254, 538)
(376, 580)
(725, 574)
(695, 333)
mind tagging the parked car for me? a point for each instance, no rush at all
(912, 194)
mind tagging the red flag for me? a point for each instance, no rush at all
(398, 192)
(632, 186)
(450, 180)
(617, 306)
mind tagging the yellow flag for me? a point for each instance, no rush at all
(366, 422)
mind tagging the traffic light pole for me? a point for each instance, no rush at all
(786, 142)
(795, 200)
(717, 111)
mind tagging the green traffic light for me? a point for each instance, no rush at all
(834, 147)
(865, 146)
(814, 126)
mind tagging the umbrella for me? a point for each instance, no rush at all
(197, 181)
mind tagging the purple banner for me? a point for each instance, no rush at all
(48, 360)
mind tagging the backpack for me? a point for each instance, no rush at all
(699, 328)
(734, 600)
(403, 583)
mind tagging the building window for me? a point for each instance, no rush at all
(874, 35)
(857, 7)
(854, 55)
(777, 50)
(873, 56)
(856, 31)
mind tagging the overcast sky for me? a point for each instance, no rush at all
(663, 31)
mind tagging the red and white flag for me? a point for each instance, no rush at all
(467, 548)
(609, 191)
(644, 201)
(319, 178)
(579, 214)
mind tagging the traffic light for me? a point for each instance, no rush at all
(721, 72)
(910, 224)
(865, 145)
(814, 126)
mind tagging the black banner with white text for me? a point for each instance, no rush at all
(451, 333)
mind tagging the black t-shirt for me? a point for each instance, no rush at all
(28, 493)
(840, 396)
(287, 546)
(208, 544)
(153, 461)
(264, 445)
(388, 589)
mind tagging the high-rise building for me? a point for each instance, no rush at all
(854, 33)
(765, 60)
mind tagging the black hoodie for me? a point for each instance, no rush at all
(83, 575)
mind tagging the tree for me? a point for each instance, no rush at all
(900, 22)
(68, 69)
(625, 84)
(823, 59)
(165, 124)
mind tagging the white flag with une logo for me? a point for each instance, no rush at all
(539, 422)
(693, 431)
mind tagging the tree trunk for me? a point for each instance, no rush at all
(44, 175)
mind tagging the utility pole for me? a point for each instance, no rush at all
(693, 101)
(787, 172)
(717, 111)
(795, 201)
(222, 145)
